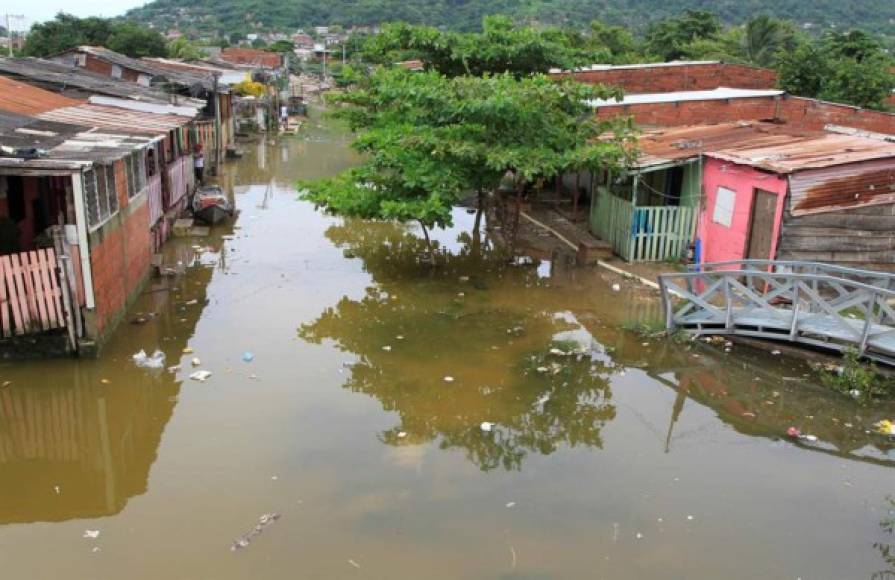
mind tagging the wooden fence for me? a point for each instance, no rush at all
(30, 293)
(642, 234)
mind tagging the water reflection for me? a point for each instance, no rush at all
(78, 439)
(450, 347)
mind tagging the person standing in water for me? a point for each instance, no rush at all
(199, 164)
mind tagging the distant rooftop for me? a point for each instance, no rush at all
(637, 66)
(721, 93)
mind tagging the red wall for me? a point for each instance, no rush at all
(796, 111)
(666, 79)
(120, 256)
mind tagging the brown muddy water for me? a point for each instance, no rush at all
(359, 421)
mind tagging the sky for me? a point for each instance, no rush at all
(40, 10)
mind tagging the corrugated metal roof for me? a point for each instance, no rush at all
(721, 93)
(156, 108)
(663, 146)
(809, 152)
(126, 121)
(22, 98)
(842, 187)
(190, 80)
(600, 67)
(58, 77)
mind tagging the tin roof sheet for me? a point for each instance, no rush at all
(721, 93)
(22, 98)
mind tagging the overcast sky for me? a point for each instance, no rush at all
(40, 10)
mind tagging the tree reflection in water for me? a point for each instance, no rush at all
(480, 321)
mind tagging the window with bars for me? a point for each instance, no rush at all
(135, 171)
(100, 197)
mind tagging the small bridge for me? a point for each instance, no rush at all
(811, 303)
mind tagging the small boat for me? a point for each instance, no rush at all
(211, 205)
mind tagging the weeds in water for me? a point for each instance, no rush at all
(857, 379)
(654, 331)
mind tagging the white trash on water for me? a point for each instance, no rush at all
(486, 426)
(92, 534)
(144, 361)
(200, 376)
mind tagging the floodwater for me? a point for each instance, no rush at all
(359, 421)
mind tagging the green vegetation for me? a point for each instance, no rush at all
(430, 140)
(67, 31)
(857, 379)
(258, 15)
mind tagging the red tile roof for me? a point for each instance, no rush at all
(251, 56)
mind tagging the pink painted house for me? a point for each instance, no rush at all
(742, 211)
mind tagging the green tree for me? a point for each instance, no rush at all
(766, 38)
(669, 38)
(804, 70)
(431, 140)
(863, 83)
(623, 48)
(281, 46)
(182, 48)
(66, 31)
(500, 47)
(136, 41)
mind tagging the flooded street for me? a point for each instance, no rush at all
(471, 419)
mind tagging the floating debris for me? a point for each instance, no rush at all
(386, 348)
(510, 504)
(244, 540)
(354, 564)
(196, 362)
(248, 357)
(486, 426)
(92, 534)
(885, 427)
(200, 376)
(616, 287)
(449, 379)
(402, 434)
(156, 361)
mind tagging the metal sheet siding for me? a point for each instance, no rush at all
(843, 186)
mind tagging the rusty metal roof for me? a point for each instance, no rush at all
(809, 152)
(22, 98)
(117, 119)
(60, 77)
(669, 145)
(842, 187)
(251, 56)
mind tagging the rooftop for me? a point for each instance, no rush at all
(251, 56)
(58, 77)
(721, 93)
(22, 98)
(638, 65)
(770, 146)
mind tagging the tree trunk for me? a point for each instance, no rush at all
(519, 188)
(476, 226)
(575, 196)
(428, 242)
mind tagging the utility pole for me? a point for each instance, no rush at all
(343, 53)
(9, 17)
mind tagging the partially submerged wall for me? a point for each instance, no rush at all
(668, 78)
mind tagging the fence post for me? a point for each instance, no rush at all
(728, 317)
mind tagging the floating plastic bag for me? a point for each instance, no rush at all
(156, 361)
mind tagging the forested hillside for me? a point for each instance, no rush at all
(227, 16)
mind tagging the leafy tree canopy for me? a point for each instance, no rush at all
(67, 31)
(182, 48)
(431, 139)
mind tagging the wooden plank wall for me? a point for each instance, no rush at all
(849, 236)
(30, 295)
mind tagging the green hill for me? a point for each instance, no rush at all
(227, 16)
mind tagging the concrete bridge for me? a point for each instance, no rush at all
(811, 303)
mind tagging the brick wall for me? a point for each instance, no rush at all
(666, 79)
(120, 254)
(796, 111)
